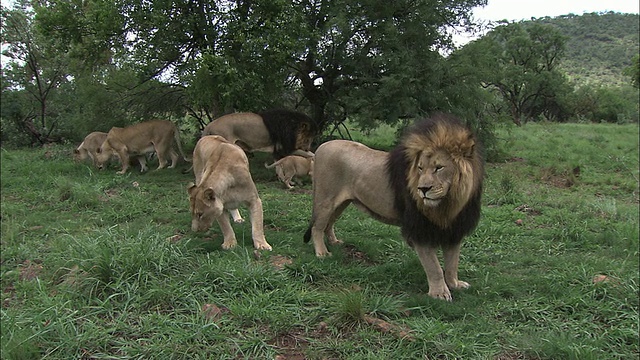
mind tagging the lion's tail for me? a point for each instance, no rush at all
(307, 235)
(274, 164)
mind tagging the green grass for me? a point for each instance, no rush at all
(104, 266)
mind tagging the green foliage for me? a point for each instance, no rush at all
(633, 71)
(98, 265)
(599, 46)
(519, 62)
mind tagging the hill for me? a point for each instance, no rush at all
(599, 45)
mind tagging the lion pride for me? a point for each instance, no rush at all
(223, 182)
(430, 185)
(140, 139)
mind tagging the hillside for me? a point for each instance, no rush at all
(599, 45)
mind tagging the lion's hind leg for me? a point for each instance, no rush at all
(323, 220)
(174, 158)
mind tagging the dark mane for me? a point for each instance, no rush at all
(415, 227)
(283, 127)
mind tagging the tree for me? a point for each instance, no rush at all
(520, 62)
(36, 71)
(633, 71)
(377, 60)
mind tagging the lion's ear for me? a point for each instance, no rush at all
(209, 195)
(190, 187)
(468, 147)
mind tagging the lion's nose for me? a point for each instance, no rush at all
(424, 190)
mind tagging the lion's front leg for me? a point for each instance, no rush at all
(451, 261)
(124, 159)
(428, 256)
(228, 235)
(257, 229)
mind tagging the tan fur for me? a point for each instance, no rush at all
(441, 180)
(290, 166)
(89, 147)
(457, 149)
(140, 139)
(248, 131)
(223, 182)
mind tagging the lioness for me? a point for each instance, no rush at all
(223, 182)
(280, 132)
(140, 139)
(430, 185)
(90, 147)
(290, 166)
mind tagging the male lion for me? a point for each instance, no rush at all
(290, 166)
(90, 147)
(140, 139)
(223, 182)
(281, 132)
(430, 185)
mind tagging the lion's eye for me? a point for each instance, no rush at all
(439, 168)
(420, 168)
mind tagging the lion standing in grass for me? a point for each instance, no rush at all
(279, 131)
(430, 185)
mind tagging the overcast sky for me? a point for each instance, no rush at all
(526, 9)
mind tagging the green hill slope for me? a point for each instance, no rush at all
(599, 45)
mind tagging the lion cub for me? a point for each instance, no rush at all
(223, 183)
(290, 166)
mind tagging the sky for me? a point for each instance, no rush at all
(526, 9)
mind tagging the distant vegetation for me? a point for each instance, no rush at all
(599, 47)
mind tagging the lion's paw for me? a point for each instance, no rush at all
(238, 221)
(442, 295)
(263, 246)
(459, 284)
(323, 254)
(228, 245)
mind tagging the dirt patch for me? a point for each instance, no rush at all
(387, 327)
(29, 270)
(529, 210)
(353, 254)
(213, 312)
(560, 178)
(290, 346)
(279, 262)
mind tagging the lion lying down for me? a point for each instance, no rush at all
(430, 185)
(223, 182)
(290, 166)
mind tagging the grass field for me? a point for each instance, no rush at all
(96, 265)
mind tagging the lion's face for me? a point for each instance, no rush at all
(434, 174)
(103, 155)
(205, 207)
